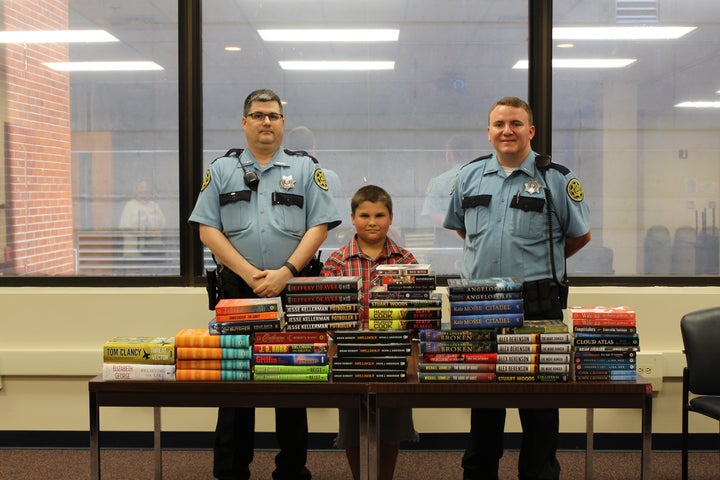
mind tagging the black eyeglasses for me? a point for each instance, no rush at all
(260, 116)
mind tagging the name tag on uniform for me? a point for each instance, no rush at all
(476, 201)
(527, 204)
(232, 197)
(287, 199)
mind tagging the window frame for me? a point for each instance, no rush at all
(540, 22)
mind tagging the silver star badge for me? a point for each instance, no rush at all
(533, 186)
(287, 182)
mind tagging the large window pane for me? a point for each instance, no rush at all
(650, 167)
(451, 61)
(79, 144)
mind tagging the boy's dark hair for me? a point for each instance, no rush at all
(371, 193)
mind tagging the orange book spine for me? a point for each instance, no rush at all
(200, 337)
(204, 364)
(212, 375)
(195, 353)
(197, 341)
(238, 317)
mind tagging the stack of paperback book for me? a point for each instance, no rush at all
(202, 356)
(457, 355)
(243, 316)
(402, 298)
(139, 358)
(371, 356)
(493, 302)
(290, 357)
(322, 303)
(606, 343)
(205, 356)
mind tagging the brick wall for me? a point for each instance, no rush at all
(37, 144)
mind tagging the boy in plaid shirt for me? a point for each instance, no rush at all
(371, 214)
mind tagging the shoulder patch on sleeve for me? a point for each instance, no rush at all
(320, 180)
(575, 190)
(206, 180)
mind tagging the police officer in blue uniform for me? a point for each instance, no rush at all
(263, 212)
(500, 206)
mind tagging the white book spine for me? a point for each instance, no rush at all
(137, 371)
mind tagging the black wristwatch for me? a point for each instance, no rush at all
(292, 268)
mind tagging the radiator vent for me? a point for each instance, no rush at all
(636, 11)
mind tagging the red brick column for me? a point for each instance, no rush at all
(37, 142)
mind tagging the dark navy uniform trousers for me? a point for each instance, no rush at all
(235, 429)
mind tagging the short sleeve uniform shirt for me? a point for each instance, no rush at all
(265, 226)
(506, 222)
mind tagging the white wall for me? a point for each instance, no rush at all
(51, 342)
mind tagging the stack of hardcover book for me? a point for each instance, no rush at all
(493, 302)
(402, 298)
(290, 357)
(606, 343)
(205, 356)
(371, 356)
(322, 303)
(457, 355)
(139, 358)
(243, 316)
(534, 357)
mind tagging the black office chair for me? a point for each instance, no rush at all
(701, 339)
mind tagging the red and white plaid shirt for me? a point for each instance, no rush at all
(351, 261)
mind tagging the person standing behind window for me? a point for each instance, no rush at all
(499, 206)
(263, 212)
(447, 246)
(303, 139)
(141, 217)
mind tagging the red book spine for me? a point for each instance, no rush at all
(290, 337)
(290, 348)
(238, 317)
(604, 322)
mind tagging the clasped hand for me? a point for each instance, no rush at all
(270, 283)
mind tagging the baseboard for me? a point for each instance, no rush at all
(324, 441)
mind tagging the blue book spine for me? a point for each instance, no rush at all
(234, 375)
(605, 366)
(290, 358)
(484, 285)
(604, 361)
(234, 341)
(485, 307)
(462, 322)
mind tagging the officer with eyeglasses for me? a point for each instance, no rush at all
(263, 212)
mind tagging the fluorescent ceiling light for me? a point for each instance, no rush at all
(698, 105)
(583, 63)
(620, 33)
(317, 35)
(103, 66)
(56, 36)
(339, 65)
